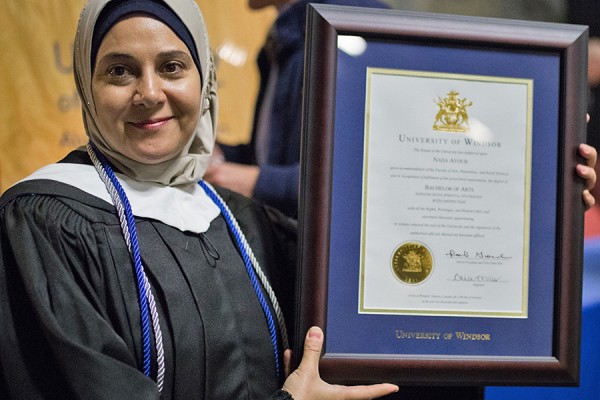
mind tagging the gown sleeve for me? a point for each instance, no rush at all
(58, 334)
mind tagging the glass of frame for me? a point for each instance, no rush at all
(441, 221)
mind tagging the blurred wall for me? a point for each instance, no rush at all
(39, 105)
(538, 10)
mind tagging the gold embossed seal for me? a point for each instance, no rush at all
(412, 262)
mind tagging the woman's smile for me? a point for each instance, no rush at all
(151, 124)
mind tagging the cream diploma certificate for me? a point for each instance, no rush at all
(445, 214)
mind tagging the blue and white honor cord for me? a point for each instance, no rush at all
(254, 270)
(146, 299)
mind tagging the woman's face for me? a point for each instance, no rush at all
(147, 90)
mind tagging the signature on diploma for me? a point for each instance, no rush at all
(477, 255)
(476, 278)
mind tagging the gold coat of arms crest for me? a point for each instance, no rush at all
(452, 115)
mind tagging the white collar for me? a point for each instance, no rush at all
(187, 207)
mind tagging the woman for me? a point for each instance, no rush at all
(120, 276)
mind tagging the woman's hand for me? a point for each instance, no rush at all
(305, 383)
(588, 173)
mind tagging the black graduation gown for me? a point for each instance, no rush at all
(69, 311)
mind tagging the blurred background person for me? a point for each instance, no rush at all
(268, 167)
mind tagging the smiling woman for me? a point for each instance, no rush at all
(123, 275)
(135, 294)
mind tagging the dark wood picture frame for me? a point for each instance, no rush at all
(569, 43)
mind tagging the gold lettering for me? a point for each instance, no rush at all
(458, 335)
(400, 334)
(473, 336)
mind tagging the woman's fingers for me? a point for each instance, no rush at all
(313, 343)
(589, 153)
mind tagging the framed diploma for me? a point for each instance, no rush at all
(441, 219)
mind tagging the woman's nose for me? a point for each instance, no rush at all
(149, 91)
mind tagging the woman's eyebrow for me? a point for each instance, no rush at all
(175, 54)
(116, 56)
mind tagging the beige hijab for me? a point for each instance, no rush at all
(191, 163)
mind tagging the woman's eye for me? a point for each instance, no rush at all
(172, 67)
(117, 71)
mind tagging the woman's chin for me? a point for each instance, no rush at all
(153, 158)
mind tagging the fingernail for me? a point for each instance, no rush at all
(314, 333)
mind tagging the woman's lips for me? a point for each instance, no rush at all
(151, 124)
